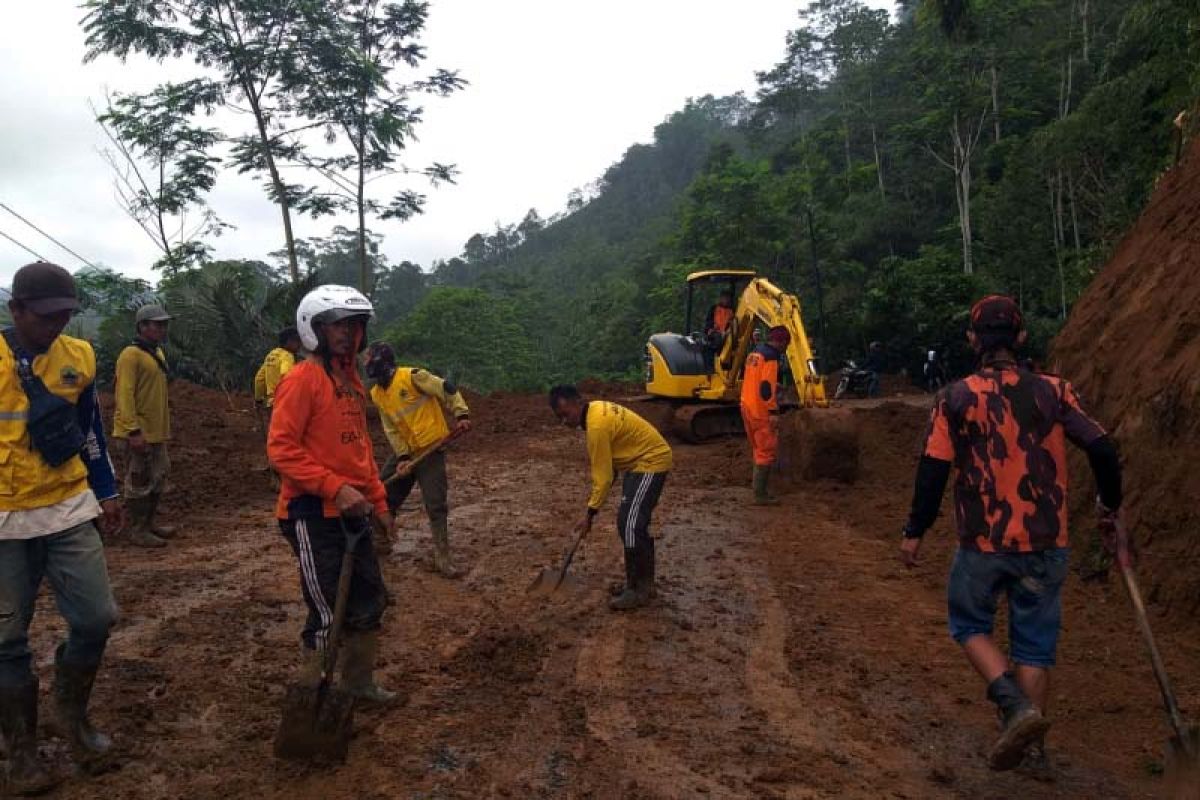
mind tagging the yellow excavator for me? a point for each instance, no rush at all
(700, 376)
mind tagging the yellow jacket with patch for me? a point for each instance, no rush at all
(618, 440)
(274, 367)
(68, 368)
(410, 408)
(141, 394)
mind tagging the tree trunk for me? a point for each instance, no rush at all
(276, 182)
(1083, 23)
(846, 143)
(878, 162)
(1056, 220)
(962, 191)
(995, 104)
(1074, 213)
(363, 285)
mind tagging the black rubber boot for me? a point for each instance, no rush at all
(358, 671)
(647, 573)
(18, 723)
(72, 691)
(161, 531)
(139, 524)
(1023, 724)
(640, 567)
(761, 496)
(628, 598)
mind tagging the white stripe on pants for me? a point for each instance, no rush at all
(308, 572)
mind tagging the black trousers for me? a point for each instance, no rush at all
(639, 495)
(319, 544)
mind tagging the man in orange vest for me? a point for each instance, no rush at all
(760, 407)
(720, 315)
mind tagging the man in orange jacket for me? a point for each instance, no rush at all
(320, 445)
(760, 407)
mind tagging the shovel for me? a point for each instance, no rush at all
(405, 468)
(1183, 749)
(550, 579)
(317, 719)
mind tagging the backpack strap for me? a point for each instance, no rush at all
(24, 363)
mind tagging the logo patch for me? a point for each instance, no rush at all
(69, 376)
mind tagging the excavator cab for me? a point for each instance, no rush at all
(700, 375)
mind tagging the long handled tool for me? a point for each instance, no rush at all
(1183, 749)
(550, 579)
(317, 720)
(405, 468)
(382, 539)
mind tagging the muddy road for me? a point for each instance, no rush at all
(788, 655)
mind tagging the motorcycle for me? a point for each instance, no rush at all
(854, 380)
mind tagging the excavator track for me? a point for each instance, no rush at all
(702, 422)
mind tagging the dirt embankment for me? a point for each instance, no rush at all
(1132, 346)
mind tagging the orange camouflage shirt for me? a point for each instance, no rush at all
(1005, 431)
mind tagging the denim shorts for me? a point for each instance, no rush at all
(1032, 583)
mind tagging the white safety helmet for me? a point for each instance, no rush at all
(327, 304)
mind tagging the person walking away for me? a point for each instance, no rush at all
(413, 404)
(760, 408)
(320, 446)
(618, 440)
(874, 364)
(58, 485)
(142, 425)
(1004, 431)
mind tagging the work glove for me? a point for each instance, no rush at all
(1108, 524)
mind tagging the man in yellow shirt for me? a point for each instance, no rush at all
(413, 404)
(142, 425)
(274, 367)
(56, 487)
(618, 440)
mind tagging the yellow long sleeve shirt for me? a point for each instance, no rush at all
(618, 440)
(141, 396)
(274, 367)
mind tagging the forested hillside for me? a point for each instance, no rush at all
(889, 169)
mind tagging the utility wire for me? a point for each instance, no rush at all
(48, 236)
(23, 247)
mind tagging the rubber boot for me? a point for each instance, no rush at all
(18, 723)
(139, 524)
(761, 497)
(361, 648)
(161, 531)
(72, 691)
(442, 561)
(311, 665)
(648, 577)
(618, 589)
(1023, 723)
(637, 593)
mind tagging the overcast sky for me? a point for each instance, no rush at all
(559, 89)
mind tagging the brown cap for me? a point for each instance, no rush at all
(996, 313)
(780, 332)
(45, 288)
(152, 313)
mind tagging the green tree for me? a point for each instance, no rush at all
(244, 49)
(469, 336)
(345, 79)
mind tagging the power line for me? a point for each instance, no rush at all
(23, 247)
(48, 236)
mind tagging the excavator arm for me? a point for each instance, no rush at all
(764, 302)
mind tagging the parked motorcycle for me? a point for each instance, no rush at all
(854, 380)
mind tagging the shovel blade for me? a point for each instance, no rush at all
(1183, 765)
(549, 580)
(316, 724)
